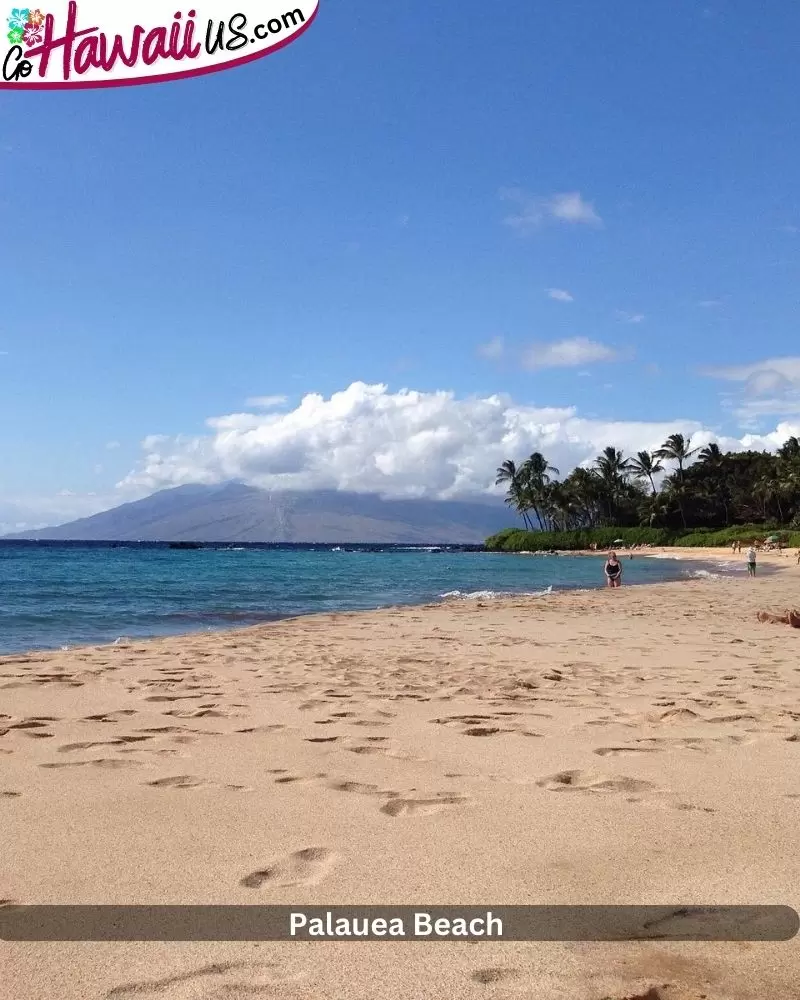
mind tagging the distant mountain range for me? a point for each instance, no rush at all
(233, 512)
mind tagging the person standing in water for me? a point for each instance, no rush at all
(613, 570)
(751, 561)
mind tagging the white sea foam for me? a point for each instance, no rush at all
(488, 595)
(702, 574)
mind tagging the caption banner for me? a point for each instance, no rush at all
(398, 923)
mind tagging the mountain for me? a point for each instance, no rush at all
(234, 512)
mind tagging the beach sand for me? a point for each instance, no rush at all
(631, 746)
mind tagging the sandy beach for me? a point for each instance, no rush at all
(630, 746)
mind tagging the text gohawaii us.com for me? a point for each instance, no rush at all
(95, 44)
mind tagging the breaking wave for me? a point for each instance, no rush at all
(488, 595)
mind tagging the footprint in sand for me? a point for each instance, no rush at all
(583, 781)
(421, 807)
(107, 763)
(493, 975)
(212, 982)
(304, 867)
(357, 787)
(109, 716)
(677, 715)
(178, 781)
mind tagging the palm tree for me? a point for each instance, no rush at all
(790, 450)
(712, 456)
(645, 466)
(611, 465)
(535, 475)
(677, 449)
(611, 468)
(537, 469)
(511, 475)
(506, 473)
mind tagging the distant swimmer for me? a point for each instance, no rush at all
(613, 570)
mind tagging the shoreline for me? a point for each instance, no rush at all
(704, 557)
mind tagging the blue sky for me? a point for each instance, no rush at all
(392, 200)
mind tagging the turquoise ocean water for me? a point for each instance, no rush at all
(56, 595)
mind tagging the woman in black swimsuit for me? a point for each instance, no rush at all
(613, 570)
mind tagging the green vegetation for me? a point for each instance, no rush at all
(706, 497)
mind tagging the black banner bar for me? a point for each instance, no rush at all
(398, 923)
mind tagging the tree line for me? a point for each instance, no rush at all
(676, 486)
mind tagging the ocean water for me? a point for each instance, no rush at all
(56, 596)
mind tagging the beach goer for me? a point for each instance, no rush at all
(788, 618)
(613, 570)
(751, 561)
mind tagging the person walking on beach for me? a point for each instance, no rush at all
(751, 561)
(613, 570)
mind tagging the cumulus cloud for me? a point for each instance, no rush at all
(567, 353)
(767, 388)
(560, 295)
(533, 210)
(406, 443)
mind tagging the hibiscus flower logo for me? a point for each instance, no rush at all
(15, 36)
(33, 34)
(36, 18)
(19, 18)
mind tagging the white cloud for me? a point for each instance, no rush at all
(709, 303)
(769, 388)
(112, 445)
(366, 438)
(494, 349)
(533, 210)
(560, 295)
(629, 317)
(567, 353)
(266, 402)
(404, 443)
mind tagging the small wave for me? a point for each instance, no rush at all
(702, 574)
(489, 595)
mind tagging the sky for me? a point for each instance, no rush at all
(419, 240)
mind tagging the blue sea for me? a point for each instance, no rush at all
(60, 595)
